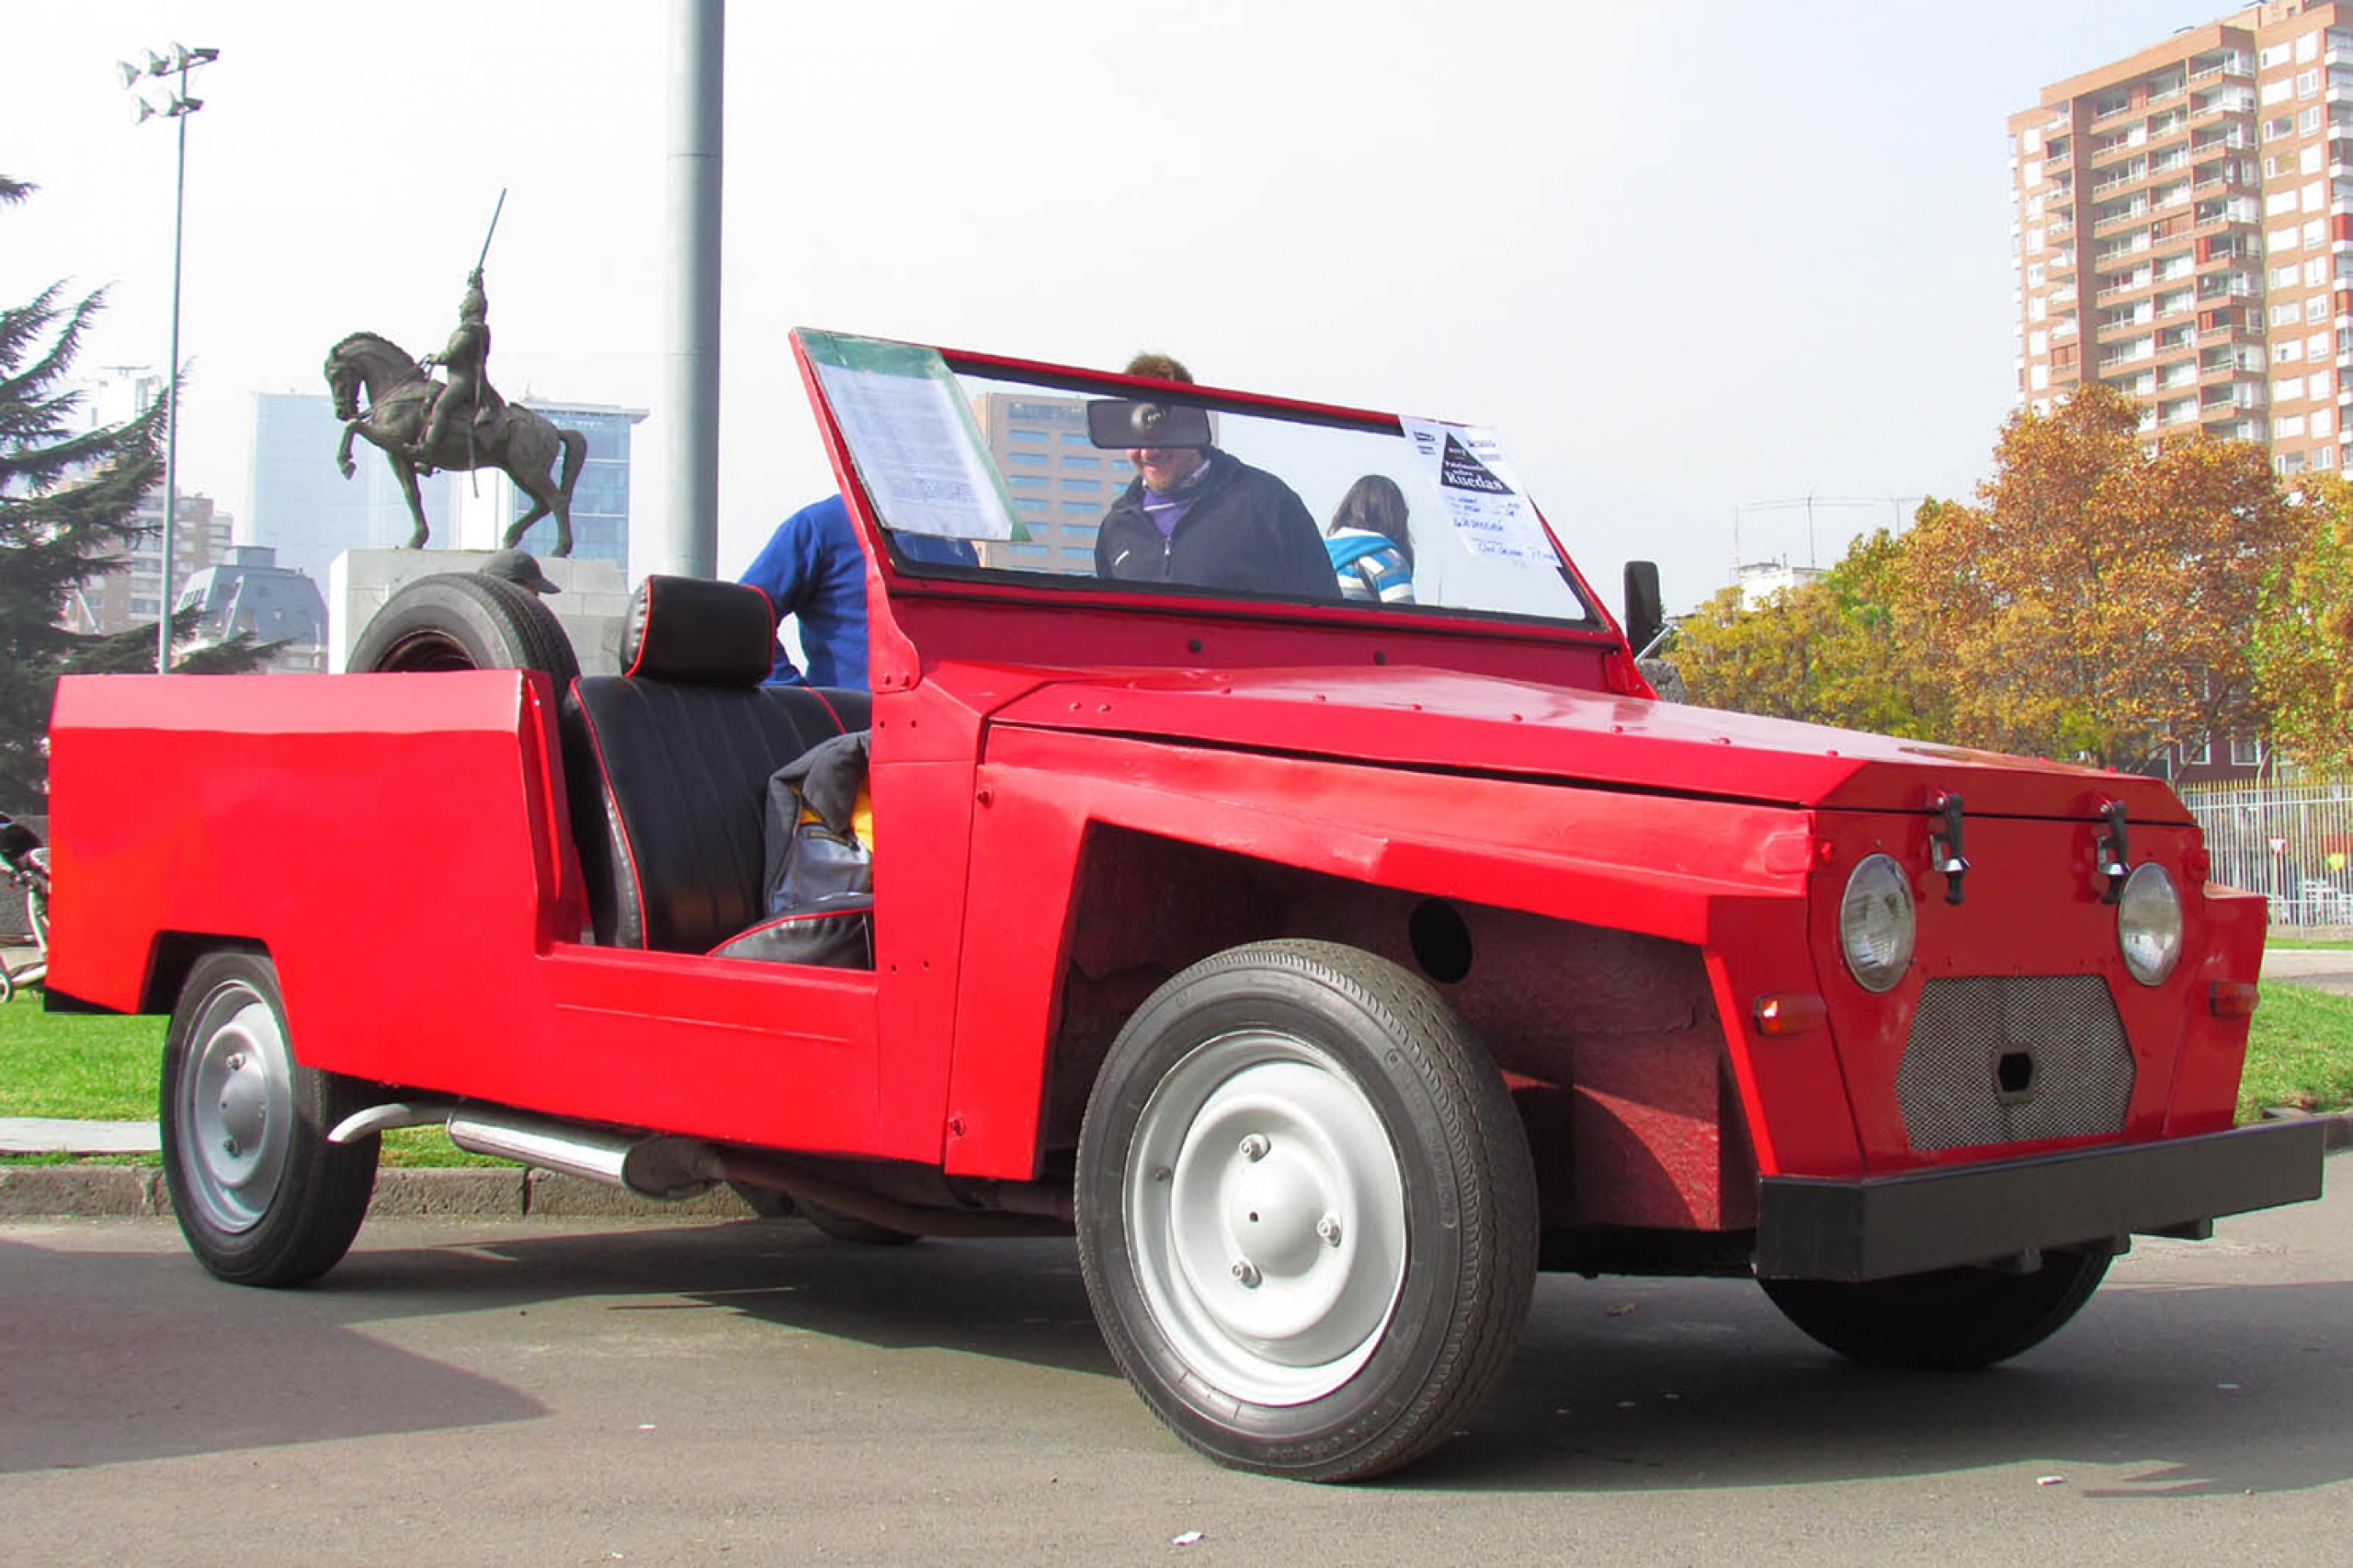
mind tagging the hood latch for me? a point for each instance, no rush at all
(2115, 851)
(1944, 844)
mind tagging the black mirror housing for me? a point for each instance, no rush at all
(1119, 422)
(1645, 613)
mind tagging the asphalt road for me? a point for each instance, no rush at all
(533, 1394)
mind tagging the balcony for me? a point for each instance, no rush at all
(2056, 160)
(2113, 112)
(2116, 222)
(2131, 285)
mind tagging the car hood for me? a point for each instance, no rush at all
(1479, 724)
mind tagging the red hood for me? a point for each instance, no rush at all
(1437, 718)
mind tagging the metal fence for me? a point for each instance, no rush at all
(2292, 842)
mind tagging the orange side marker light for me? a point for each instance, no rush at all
(1790, 1012)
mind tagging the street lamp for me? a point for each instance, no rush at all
(176, 105)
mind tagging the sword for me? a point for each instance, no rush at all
(478, 262)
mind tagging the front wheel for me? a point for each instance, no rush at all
(1306, 1212)
(260, 1194)
(1952, 1320)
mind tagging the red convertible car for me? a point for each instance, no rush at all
(1329, 955)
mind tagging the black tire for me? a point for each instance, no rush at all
(260, 1194)
(460, 621)
(1953, 1320)
(1261, 1085)
(844, 1227)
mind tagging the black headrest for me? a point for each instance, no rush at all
(683, 628)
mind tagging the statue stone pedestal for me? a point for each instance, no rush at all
(594, 601)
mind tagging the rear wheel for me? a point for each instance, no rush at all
(1306, 1213)
(1950, 1320)
(260, 1194)
(460, 621)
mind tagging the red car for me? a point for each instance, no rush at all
(1329, 964)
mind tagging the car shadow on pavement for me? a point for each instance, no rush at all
(2151, 1393)
(1620, 1385)
(192, 1366)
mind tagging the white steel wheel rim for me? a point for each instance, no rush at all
(1266, 1213)
(236, 1108)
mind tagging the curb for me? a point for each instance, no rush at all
(93, 1192)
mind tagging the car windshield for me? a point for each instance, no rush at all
(1077, 483)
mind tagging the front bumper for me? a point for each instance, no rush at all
(1808, 1227)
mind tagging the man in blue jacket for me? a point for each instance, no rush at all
(812, 568)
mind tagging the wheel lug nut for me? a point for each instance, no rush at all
(1254, 1147)
(237, 1062)
(229, 1147)
(1328, 1228)
(1247, 1272)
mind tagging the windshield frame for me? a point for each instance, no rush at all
(902, 576)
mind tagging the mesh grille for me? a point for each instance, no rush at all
(1951, 1082)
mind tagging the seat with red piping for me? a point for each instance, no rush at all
(667, 764)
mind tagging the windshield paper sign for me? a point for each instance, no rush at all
(913, 439)
(1482, 496)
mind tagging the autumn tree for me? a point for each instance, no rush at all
(2303, 638)
(2097, 601)
(1829, 651)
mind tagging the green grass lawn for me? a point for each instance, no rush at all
(2299, 1052)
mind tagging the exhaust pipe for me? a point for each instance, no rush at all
(651, 1168)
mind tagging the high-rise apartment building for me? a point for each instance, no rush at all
(1061, 481)
(2184, 232)
(131, 595)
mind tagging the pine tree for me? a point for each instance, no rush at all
(69, 505)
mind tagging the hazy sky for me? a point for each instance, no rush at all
(1685, 258)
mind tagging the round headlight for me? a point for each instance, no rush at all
(1875, 923)
(2148, 923)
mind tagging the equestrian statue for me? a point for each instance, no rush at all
(420, 425)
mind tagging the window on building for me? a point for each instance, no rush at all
(2031, 174)
(2282, 277)
(2308, 47)
(2030, 140)
(2324, 418)
(1081, 460)
(2312, 159)
(2275, 54)
(2034, 276)
(2315, 196)
(2309, 122)
(1026, 438)
(1086, 486)
(2278, 202)
(2316, 233)
(2038, 377)
(2308, 83)
(2289, 429)
(2290, 352)
(2316, 346)
(2194, 749)
(1075, 438)
(1038, 459)
(2278, 92)
(2323, 457)
(2317, 309)
(1025, 482)
(2279, 240)
(2316, 272)
(2245, 752)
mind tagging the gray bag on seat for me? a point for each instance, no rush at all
(813, 855)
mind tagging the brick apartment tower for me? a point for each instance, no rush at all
(2184, 232)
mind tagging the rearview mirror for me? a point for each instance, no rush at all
(1120, 423)
(1646, 616)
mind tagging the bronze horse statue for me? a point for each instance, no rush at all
(401, 396)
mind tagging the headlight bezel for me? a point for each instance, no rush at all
(2151, 950)
(1881, 970)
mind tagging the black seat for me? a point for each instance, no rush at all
(667, 764)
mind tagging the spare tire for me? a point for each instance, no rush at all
(460, 621)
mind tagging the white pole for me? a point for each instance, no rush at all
(687, 541)
(172, 410)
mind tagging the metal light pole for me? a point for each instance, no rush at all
(688, 540)
(177, 106)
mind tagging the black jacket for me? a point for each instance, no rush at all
(1245, 529)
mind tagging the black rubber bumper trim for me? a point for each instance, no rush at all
(1811, 1229)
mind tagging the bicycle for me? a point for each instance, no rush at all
(27, 862)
